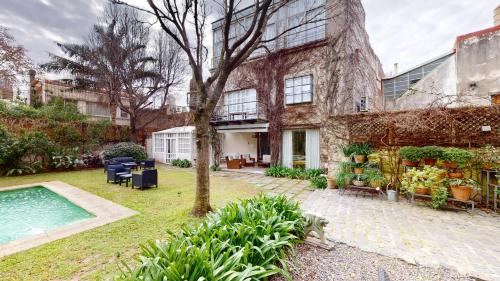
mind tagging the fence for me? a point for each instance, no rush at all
(461, 127)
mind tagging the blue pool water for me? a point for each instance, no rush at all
(35, 210)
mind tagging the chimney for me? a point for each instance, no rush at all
(395, 70)
(496, 16)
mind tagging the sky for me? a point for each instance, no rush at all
(408, 32)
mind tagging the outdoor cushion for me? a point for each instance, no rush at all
(123, 159)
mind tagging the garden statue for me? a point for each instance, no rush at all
(317, 224)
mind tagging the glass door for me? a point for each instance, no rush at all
(299, 149)
(171, 150)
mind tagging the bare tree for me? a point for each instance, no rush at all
(13, 59)
(119, 60)
(186, 23)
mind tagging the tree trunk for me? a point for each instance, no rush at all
(133, 129)
(202, 199)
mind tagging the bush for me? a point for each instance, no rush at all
(276, 171)
(181, 163)
(97, 131)
(125, 149)
(244, 241)
(457, 155)
(292, 173)
(410, 153)
(66, 135)
(431, 152)
(319, 182)
(357, 149)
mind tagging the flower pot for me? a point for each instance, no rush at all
(455, 175)
(358, 171)
(358, 183)
(422, 191)
(430, 161)
(392, 195)
(449, 165)
(487, 166)
(461, 192)
(410, 163)
(442, 175)
(360, 159)
(331, 182)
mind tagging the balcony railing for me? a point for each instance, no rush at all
(248, 111)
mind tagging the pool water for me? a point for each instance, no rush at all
(34, 210)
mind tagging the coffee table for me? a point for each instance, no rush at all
(126, 178)
(130, 165)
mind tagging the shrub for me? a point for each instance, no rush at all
(319, 182)
(276, 171)
(125, 149)
(357, 149)
(410, 153)
(431, 152)
(457, 155)
(242, 241)
(66, 135)
(181, 163)
(343, 179)
(97, 131)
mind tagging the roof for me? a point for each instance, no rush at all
(184, 129)
(420, 65)
(478, 33)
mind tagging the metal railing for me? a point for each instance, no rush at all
(225, 113)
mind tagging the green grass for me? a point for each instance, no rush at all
(94, 254)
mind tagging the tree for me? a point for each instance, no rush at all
(13, 59)
(186, 22)
(120, 59)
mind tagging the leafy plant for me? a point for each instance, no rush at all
(66, 135)
(215, 168)
(343, 179)
(457, 155)
(357, 149)
(410, 153)
(181, 163)
(97, 131)
(428, 177)
(25, 168)
(125, 149)
(487, 155)
(244, 241)
(374, 177)
(439, 195)
(464, 182)
(319, 182)
(431, 152)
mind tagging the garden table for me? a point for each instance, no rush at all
(130, 165)
(126, 178)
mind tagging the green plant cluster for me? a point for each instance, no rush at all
(457, 155)
(242, 241)
(314, 175)
(411, 153)
(181, 163)
(431, 178)
(464, 182)
(56, 110)
(357, 149)
(125, 149)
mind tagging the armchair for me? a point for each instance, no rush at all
(266, 161)
(148, 164)
(145, 179)
(233, 163)
(247, 160)
(114, 171)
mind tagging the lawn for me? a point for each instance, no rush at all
(95, 254)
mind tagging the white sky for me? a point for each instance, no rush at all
(405, 31)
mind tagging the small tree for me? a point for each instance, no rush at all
(13, 59)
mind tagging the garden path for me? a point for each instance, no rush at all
(466, 242)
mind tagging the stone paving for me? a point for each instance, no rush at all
(466, 242)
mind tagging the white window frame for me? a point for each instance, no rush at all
(297, 90)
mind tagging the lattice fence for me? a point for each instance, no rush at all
(446, 127)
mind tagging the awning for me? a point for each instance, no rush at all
(243, 128)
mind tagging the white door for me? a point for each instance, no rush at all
(171, 150)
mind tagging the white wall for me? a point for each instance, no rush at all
(239, 143)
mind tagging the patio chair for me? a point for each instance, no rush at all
(114, 172)
(123, 159)
(107, 163)
(247, 160)
(265, 162)
(146, 178)
(233, 163)
(148, 164)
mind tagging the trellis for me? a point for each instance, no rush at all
(462, 127)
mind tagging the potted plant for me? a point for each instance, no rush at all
(358, 168)
(359, 151)
(461, 189)
(375, 178)
(487, 158)
(430, 154)
(410, 155)
(343, 179)
(454, 157)
(331, 182)
(422, 181)
(455, 174)
(359, 180)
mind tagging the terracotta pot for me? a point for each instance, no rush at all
(455, 175)
(360, 159)
(430, 162)
(358, 171)
(422, 190)
(461, 192)
(442, 175)
(409, 163)
(449, 165)
(331, 182)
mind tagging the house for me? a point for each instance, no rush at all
(467, 75)
(173, 143)
(6, 89)
(278, 103)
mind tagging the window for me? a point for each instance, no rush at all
(240, 105)
(299, 149)
(123, 114)
(184, 143)
(298, 89)
(159, 144)
(361, 105)
(97, 109)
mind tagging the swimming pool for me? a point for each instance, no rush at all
(35, 210)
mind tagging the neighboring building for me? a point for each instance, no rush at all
(92, 103)
(469, 75)
(6, 89)
(335, 71)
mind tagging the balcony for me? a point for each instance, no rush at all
(240, 113)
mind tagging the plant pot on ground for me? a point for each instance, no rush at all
(422, 190)
(430, 154)
(455, 157)
(410, 155)
(455, 174)
(358, 170)
(461, 189)
(331, 182)
(359, 180)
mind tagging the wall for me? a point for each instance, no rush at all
(239, 143)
